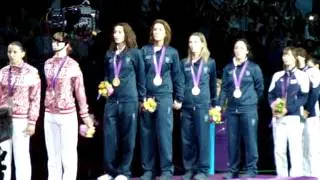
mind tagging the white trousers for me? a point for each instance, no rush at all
(311, 147)
(61, 136)
(19, 145)
(288, 130)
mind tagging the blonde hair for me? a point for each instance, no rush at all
(205, 53)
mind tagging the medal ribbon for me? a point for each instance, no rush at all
(10, 84)
(55, 77)
(158, 66)
(196, 78)
(236, 80)
(116, 67)
(285, 85)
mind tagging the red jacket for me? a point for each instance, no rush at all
(69, 82)
(26, 85)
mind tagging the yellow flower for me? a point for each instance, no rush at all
(90, 132)
(105, 88)
(107, 84)
(150, 105)
(215, 115)
(280, 105)
(103, 92)
(102, 85)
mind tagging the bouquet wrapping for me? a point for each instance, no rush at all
(87, 132)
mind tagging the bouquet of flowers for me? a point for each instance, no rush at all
(87, 132)
(105, 89)
(215, 116)
(150, 105)
(279, 107)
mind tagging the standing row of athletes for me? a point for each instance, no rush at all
(190, 85)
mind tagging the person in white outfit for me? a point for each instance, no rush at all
(20, 90)
(311, 133)
(64, 80)
(292, 86)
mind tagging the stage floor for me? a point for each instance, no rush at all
(259, 177)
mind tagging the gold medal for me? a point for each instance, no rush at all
(195, 91)
(116, 82)
(157, 81)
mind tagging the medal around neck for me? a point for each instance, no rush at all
(116, 69)
(10, 102)
(196, 79)
(237, 80)
(195, 91)
(157, 81)
(116, 82)
(237, 93)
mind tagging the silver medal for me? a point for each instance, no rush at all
(237, 93)
(157, 81)
(195, 91)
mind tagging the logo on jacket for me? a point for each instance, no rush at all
(205, 69)
(128, 59)
(167, 60)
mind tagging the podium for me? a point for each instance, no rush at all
(212, 148)
(218, 148)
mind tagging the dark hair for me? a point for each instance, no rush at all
(63, 37)
(167, 28)
(301, 52)
(287, 49)
(245, 41)
(313, 60)
(129, 36)
(19, 44)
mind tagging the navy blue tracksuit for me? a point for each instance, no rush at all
(242, 115)
(297, 94)
(194, 117)
(156, 128)
(121, 111)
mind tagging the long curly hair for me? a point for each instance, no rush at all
(129, 36)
